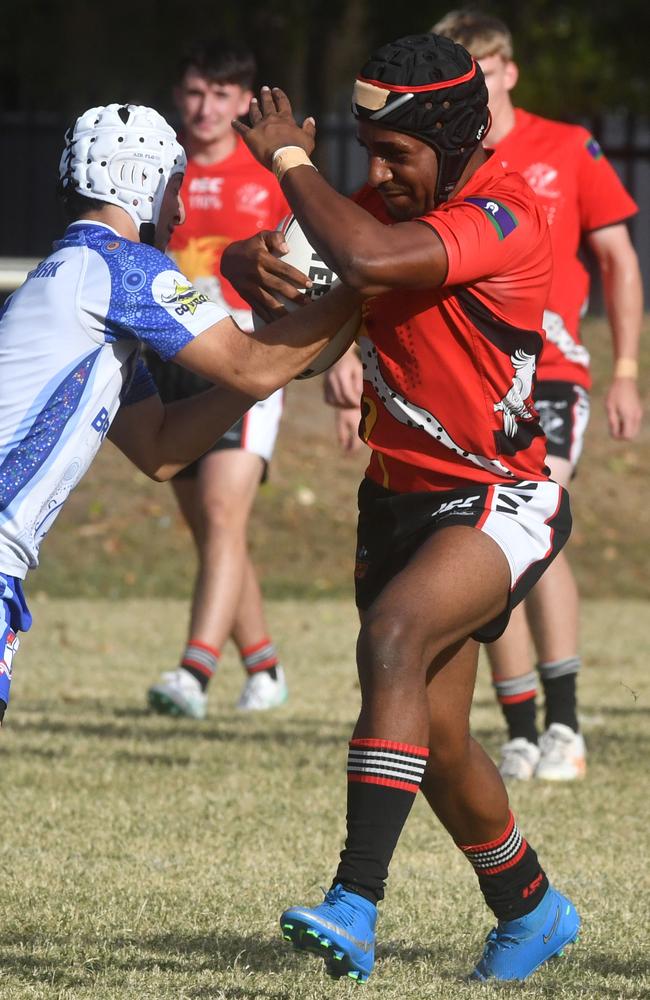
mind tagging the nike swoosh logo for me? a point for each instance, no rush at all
(364, 946)
(547, 937)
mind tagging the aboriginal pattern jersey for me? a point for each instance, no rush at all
(70, 340)
(580, 192)
(225, 201)
(449, 372)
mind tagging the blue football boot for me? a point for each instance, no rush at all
(515, 948)
(341, 930)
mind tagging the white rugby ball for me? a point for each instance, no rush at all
(304, 258)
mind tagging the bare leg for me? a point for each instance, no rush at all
(217, 507)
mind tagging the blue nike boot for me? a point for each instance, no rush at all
(341, 930)
(515, 948)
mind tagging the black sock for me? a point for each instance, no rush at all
(383, 780)
(517, 698)
(559, 680)
(509, 874)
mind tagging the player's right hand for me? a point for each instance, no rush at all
(256, 270)
(347, 428)
(343, 384)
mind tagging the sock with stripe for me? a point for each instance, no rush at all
(517, 698)
(559, 679)
(201, 661)
(383, 780)
(262, 656)
(509, 874)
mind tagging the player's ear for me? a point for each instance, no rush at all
(511, 74)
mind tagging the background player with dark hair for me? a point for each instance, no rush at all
(457, 518)
(227, 196)
(584, 200)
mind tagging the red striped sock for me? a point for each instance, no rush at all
(509, 874)
(260, 656)
(201, 661)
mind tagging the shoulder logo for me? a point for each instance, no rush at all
(503, 220)
(112, 246)
(593, 148)
(184, 298)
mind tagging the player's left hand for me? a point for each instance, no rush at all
(255, 269)
(624, 409)
(273, 126)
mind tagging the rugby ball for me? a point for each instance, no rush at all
(303, 257)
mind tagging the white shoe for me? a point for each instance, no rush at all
(178, 693)
(261, 692)
(519, 758)
(562, 754)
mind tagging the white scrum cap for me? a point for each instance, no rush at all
(123, 154)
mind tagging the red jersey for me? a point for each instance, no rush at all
(580, 192)
(225, 201)
(449, 372)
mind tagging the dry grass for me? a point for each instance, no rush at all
(150, 858)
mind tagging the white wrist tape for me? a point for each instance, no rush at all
(287, 157)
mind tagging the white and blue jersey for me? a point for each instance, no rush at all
(70, 339)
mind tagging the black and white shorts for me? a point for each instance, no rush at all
(529, 521)
(563, 414)
(255, 432)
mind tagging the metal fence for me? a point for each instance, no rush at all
(31, 217)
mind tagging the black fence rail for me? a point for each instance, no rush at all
(31, 144)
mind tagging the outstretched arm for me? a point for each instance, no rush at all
(621, 277)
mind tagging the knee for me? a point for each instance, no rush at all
(221, 517)
(389, 649)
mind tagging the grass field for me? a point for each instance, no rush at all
(150, 858)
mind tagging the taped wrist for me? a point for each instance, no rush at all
(287, 157)
(626, 368)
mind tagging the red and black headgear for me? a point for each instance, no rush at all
(429, 87)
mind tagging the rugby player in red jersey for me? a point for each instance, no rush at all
(457, 515)
(227, 196)
(583, 199)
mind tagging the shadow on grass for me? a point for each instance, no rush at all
(116, 725)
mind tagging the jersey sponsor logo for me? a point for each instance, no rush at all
(101, 423)
(206, 193)
(184, 299)
(46, 269)
(503, 220)
(593, 148)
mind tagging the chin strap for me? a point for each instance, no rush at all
(147, 233)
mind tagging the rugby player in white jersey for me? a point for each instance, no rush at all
(72, 334)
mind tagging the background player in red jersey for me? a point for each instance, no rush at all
(584, 200)
(457, 518)
(227, 196)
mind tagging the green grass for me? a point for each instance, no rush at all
(121, 535)
(150, 858)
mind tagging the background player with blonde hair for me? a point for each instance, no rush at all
(585, 201)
